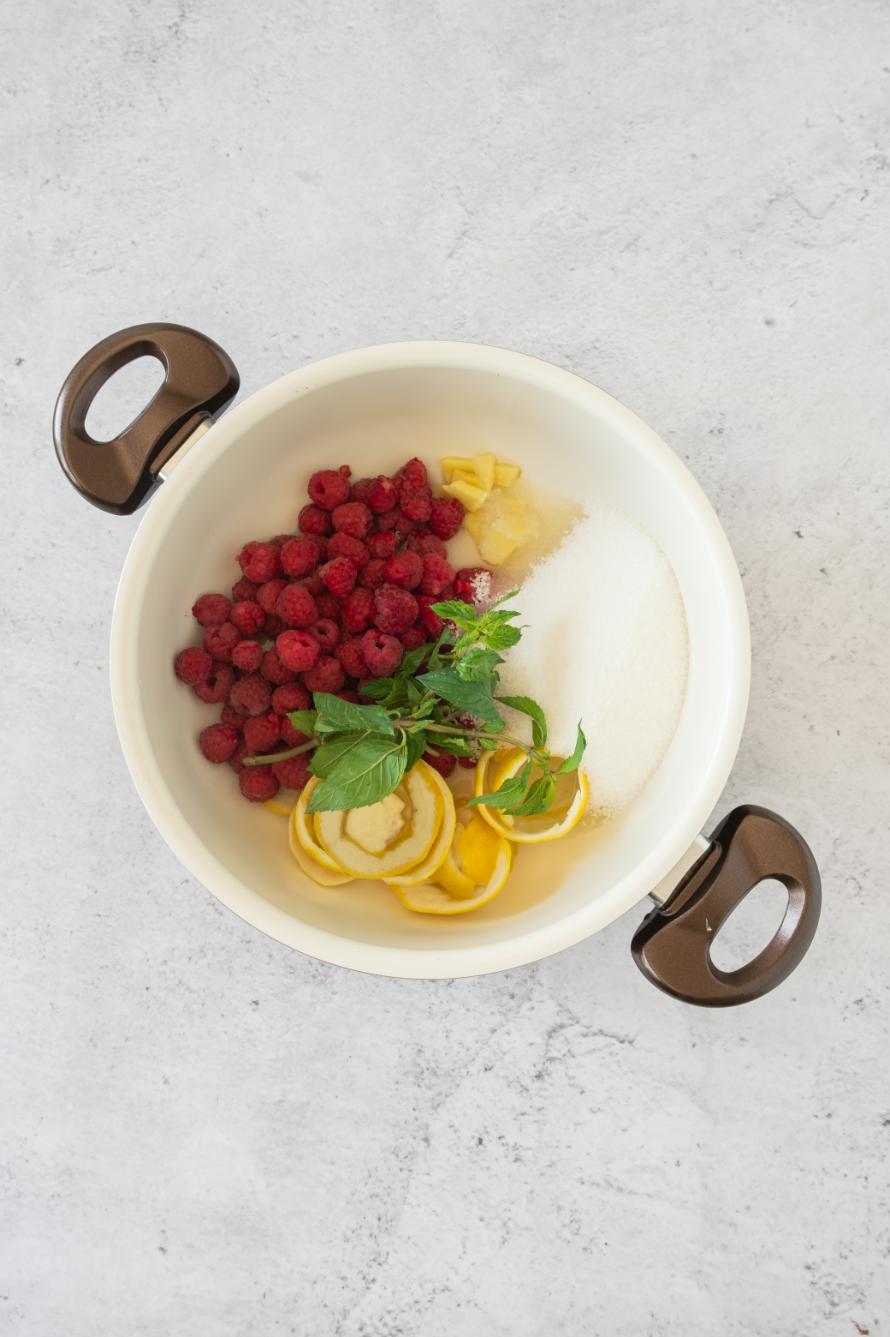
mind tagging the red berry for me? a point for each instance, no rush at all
(404, 569)
(258, 784)
(446, 516)
(412, 637)
(328, 607)
(229, 715)
(262, 732)
(437, 574)
(216, 688)
(259, 561)
(291, 696)
(339, 574)
(344, 545)
(247, 656)
(382, 544)
(372, 575)
(313, 583)
(298, 650)
(313, 520)
(273, 670)
(382, 653)
(211, 610)
(431, 623)
(279, 540)
(443, 762)
(327, 633)
(351, 656)
(326, 676)
(192, 665)
(424, 542)
(468, 763)
(386, 521)
(361, 490)
(290, 736)
(415, 504)
(414, 472)
(244, 589)
(292, 773)
(353, 518)
(218, 742)
(300, 555)
(296, 606)
(219, 642)
(472, 584)
(328, 488)
(358, 610)
(394, 608)
(348, 696)
(274, 627)
(267, 595)
(236, 760)
(250, 695)
(247, 616)
(384, 494)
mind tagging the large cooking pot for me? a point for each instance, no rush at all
(242, 475)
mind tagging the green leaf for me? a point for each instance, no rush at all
(507, 794)
(335, 715)
(412, 661)
(415, 746)
(365, 774)
(458, 744)
(538, 798)
(527, 706)
(329, 754)
(502, 636)
(442, 645)
(378, 688)
(478, 664)
(455, 610)
(473, 697)
(571, 763)
(303, 721)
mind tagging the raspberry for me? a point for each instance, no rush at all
(236, 760)
(300, 555)
(372, 575)
(414, 503)
(273, 670)
(412, 637)
(443, 762)
(350, 655)
(358, 610)
(437, 575)
(258, 784)
(348, 696)
(192, 665)
(383, 654)
(344, 545)
(219, 642)
(382, 544)
(290, 736)
(250, 695)
(468, 763)
(422, 541)
(327, 633)
(384, 494)
(414, 472)
(403, 525)
(387, 521)
(292, 773)
(313, 583)
(259, 561)
(216, 688)
(394, 609)
(267, 595)
(328, 488)
(273, 627)
(313, 520)
(291, 696)
(354, 518)
(298, 650)
(446, 516)
(326, 676)
(229, 715)
(328, 607)
(244, 589)
(361, 490)
(211, 610)
(218, 742)
(296, 606)
(431, 622)
(262, 732)
(247, 616)
(339, 574)
(404, 569)
(247, 656)
(472, 584)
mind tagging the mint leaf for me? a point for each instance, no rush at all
(571, 763)
(507, 794)
(473, 697)
(378, 688)
(458, 744)
(303, 721)
(412, 661)
(502, 636)
(527, 706)
(364, 774)
(538, 798)
(478, 664)
(463, 615)
(329, 754)
(335, 715)
(415, 746)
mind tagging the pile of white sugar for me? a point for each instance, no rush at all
(604, 641)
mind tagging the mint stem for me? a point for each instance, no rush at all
(281, 756)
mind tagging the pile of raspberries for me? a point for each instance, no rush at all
(322, 610)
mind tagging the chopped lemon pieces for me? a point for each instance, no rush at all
(499, 521)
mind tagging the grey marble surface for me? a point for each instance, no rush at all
(202, 1133)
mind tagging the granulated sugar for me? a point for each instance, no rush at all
(604, 641)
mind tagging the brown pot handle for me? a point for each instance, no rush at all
(672, 946)
(200, 379)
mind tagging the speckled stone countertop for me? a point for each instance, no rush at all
(203, 1133)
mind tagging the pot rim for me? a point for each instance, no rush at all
(418, 963)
